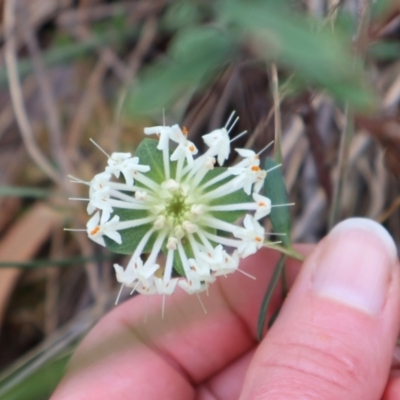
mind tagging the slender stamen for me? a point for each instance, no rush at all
(134, 288)
(233, 207)
(238, 136)
(275, 167)
(201, 303)
(265, 148)
(78, 199)
(119, 294)
(233, 124)
(246, 274)
(77, 180)
(100, 148)
(283, 205)
(229, 119)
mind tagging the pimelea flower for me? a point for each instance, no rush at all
(169, 200)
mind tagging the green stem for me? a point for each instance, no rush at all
(290, 252)
(277, 114)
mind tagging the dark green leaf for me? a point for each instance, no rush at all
(131, 237)
(275, 189)
(149, 155)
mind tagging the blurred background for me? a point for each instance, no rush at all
(320, 77)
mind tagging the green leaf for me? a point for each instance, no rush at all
(195, 54)
(131, 237)
(149, 155)
(279, 268)
(318, 55)
(275, 189)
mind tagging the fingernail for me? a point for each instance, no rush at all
(355, 265)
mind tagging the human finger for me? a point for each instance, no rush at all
(124, 355)
(336, 332)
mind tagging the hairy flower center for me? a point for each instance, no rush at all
(176, 208)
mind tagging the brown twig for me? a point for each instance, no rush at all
(17, 98)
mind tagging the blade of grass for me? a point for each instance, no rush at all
(25, 192)
(41, 263)
(280, 266)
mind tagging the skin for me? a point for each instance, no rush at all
(318, 348)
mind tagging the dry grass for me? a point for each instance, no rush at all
(48, 114)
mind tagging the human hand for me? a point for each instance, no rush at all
(334, 337)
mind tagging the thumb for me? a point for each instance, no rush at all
(336, 332)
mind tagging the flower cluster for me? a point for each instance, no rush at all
(178, 208)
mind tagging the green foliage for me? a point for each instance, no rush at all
(279, 269)
(130, 237)
(316, 54)
(194, 56)
(270, 31)
(25, 192)
(38, 384)
(149, 155)
(183, 14)
(275, 189)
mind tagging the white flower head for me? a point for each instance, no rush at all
(176, 204)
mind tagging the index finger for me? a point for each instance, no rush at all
(166, 358)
